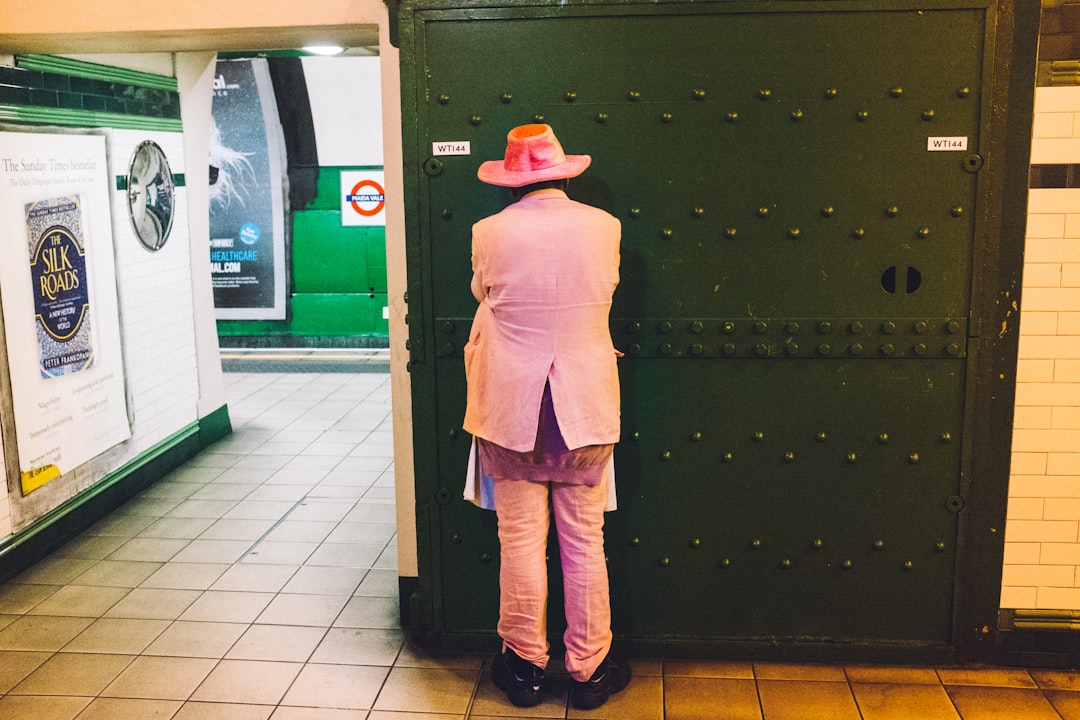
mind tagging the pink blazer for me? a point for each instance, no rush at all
(544, 270)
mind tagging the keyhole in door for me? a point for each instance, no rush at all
(905, 280)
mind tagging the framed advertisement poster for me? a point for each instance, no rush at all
(247, 194)
(58, 287)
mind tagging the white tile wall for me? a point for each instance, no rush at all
(1042, 532)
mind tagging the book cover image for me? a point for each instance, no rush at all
(61, 292)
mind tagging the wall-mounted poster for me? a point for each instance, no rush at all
(247, 195)
(59, 301)
(363, 199)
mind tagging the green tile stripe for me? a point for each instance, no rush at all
(86, 118)
(81, 68)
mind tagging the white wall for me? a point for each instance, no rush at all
(346, 107)
(1042, 533)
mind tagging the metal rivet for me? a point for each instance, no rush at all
(789, 457)
(696, 327)
(569, 96)
(879, 545)
(908, 565)
(665, 326)
(952, 327)
(919, 327)
(792, 327)
(794, 233)
(831, 93)
(919, 349)
(888, 327)
(601, 117)
(725, 563)
(756, 544)
(761, 349)
(633, 327)
(444, 99)
(447, 214)
(888, 349)
(697, 211)
(634, 212)
(824, 327)
(855, 349)
(697, 94)
(796, 115)
(963, 92)
(939, 547)
(635, 541)
(697, 349)
(785, 564)
(486, 557)
(729, 349)
(762, 211)
(666, 349)
(847, 565)
(957, 211)
(824, 349)
(761, 327)
(666, 455)
(851, 458)
(818, 544)
(759, 436)
(827, 211)
(892, 211)
(634, 348)
(506, 98)
(666, 117)
(764, 94)
(928, 114)
(695, 542)
(946, 437)
(952, 349)
(727, 457)
(858, 233)
(452, 433)
(475, 119)
(449, 327)
(633, 95)
(664, 561)
(696, 436)
(728, 327)
(883, 438)
(923, 233)
(636, 435)
(730, 232)
(896, 91)
(667, 233)
(913, 458)
(862, 115)
(732, 117)
(791, 348)
(538, 118)
(456, 539)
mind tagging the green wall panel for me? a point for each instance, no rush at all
(329, 258)
(338, 314)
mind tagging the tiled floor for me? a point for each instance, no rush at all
(259, 581)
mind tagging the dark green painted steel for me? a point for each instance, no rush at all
(330, 258)
(807, 388)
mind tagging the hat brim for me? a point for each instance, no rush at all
(493, 172)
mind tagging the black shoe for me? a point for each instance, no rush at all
(519, 679)
(612, 676)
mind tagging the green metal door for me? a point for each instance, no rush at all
(804, 190)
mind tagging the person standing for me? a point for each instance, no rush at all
(543, 409)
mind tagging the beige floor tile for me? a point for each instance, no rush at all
(186, 576)
(177, 528)
(314, 610)
(732, 670)
(646, 667)
(999, 703)
(19, 598)
(643, 699)
(48, 707)
(1065, 702)
(709, 698)
(255, 578)
(212, 551)
(325, 581)
(248, 681)
(16, 665)
(73, 674)
(237, 529)
(227, 606)
(1056, 679)
(154, 604)
(892, 674)
(223, 711)
(149, 549)
(117, 636)
(270, 552)
(41, 632)
(986, 677)
(120, 525)
(799, 671)
(285, 643)
(196, 639)
(370, 612)
(427, 690)
(345, 555)
(90, 547)
(301, 531)
(56, 571)
(125, 709)
(160, 678)
(305, 713)
(879, 701)
(380, 583)
(358, 646)
(342, 687)
(803, 699)
(415, 656)
(80, 601)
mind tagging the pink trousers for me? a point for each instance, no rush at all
(523, 511)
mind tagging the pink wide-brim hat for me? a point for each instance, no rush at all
(533, 154)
